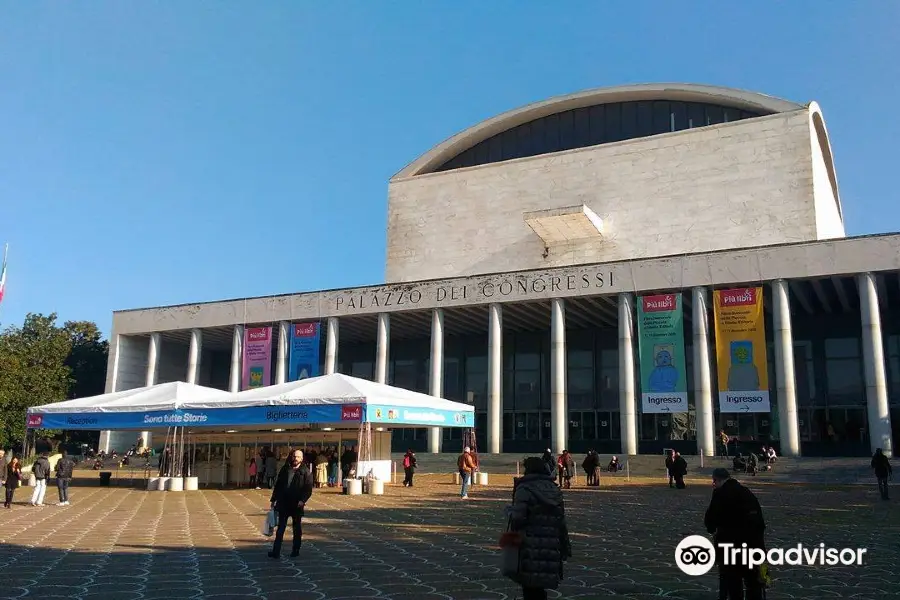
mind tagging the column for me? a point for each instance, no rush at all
(873, 361)
(627, 405)
(382, 347)
(559, 417)
(788, 420)
(194, 352)
(703, 399)
(495, 379)
(152, 374)
(281, 362)
(331, 346)
(437, 372)
(112, 377)
(237, 349)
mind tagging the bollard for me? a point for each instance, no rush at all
(627, 472)
(517, 468)
(701, 456)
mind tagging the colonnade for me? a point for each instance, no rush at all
(873, 355)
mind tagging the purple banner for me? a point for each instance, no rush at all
(257, 357)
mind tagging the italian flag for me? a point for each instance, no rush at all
(3, 273)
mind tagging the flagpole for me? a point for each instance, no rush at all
(3, 274)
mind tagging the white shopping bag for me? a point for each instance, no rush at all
(269, 524)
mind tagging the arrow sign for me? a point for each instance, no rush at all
(666, 409)
(745, 408)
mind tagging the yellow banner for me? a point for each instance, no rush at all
(741, 350)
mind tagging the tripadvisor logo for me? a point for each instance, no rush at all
(695, 555)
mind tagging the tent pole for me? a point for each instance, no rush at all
(164, 464)
(224, 472)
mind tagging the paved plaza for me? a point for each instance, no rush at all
(116, 543)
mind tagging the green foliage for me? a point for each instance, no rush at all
(41, 363)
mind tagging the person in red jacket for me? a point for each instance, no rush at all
(409, 467)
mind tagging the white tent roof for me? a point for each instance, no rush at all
(162, 396)
(328, 389)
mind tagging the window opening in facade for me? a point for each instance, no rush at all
(592, 126)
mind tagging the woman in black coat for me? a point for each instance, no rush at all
(13, 477)
(539, 514)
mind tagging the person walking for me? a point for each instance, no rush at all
(64, 468)
(670, 467)
(12, 478)
(348, 460)
(409, 467)
(538, 513)
(41, 471)
(735, 517)
(567, 469)
(293, 489)
(4, 462)
(548, 459)
(466, 465)
(591, 466)
(271, 469)
(723, 440)
(252, 471)
(332, 467)
(679, 470)
(321, 476)
(882, 467)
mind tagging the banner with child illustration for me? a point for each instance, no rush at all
(662, 358)
(304, 348)
(741, 351)
(257, 358)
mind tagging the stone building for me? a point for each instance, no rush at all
(519, 252)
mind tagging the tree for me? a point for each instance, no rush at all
(41, 363)
(87, 359)
(87, 364)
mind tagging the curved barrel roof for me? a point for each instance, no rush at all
(728, 97)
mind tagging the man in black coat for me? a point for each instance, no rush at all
(882, 468)
(735, 517)
(679, 470)
(293, 488)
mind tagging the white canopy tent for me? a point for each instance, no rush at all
(336, 388)
(162, 396)
(330, 403)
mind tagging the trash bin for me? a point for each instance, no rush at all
(105, 476)
(482, 478)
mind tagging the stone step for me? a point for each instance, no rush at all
(835, 471)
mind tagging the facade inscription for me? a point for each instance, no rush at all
(477, 290)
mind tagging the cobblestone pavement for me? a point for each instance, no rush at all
(421, 543)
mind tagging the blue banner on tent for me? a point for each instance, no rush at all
(273, 416)
(304, 351)
(419, 416)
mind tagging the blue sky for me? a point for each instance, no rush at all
(159, 153)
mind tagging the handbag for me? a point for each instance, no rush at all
(510, 551)
(268, 527)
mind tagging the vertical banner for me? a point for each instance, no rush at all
(662, 360)
(304, 351)
(741, 351)
(257, 357)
